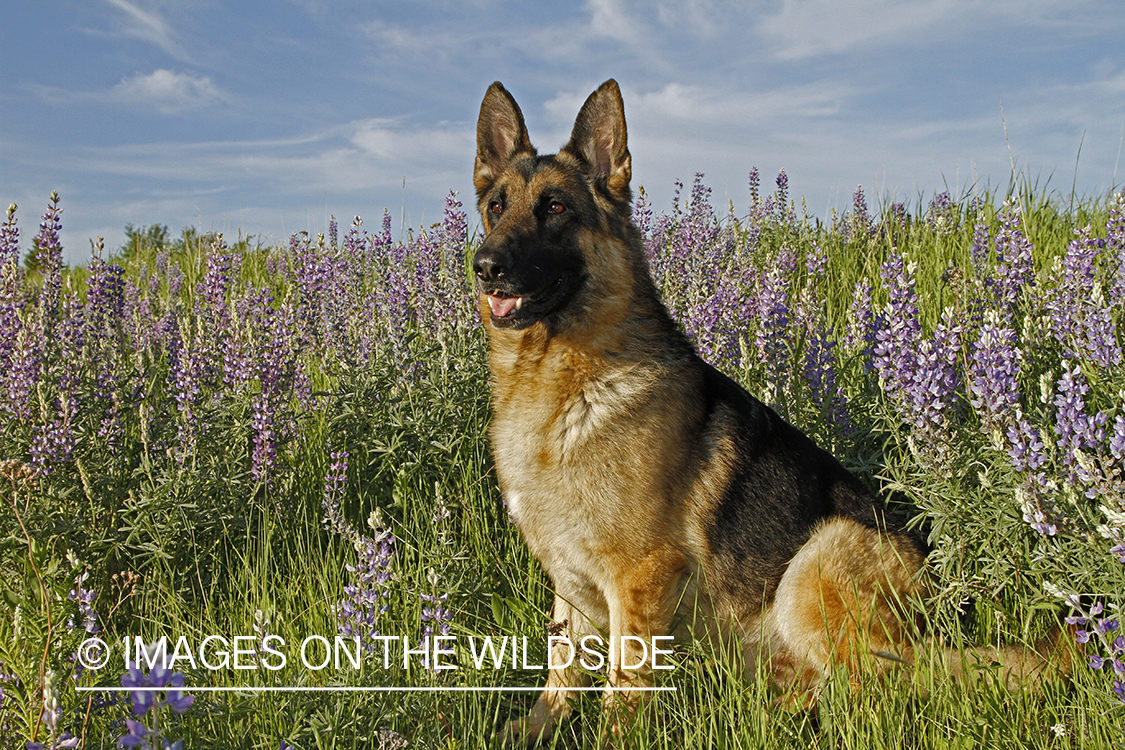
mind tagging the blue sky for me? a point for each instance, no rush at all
(266, 117)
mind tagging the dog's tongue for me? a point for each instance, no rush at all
(502, 306)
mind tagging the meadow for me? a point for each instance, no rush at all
(250, 450)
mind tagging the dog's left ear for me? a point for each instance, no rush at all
(599, 139)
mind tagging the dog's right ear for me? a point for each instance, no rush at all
(501, 134)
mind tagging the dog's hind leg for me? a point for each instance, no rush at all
(842, 601)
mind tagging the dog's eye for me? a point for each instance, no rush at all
(495, 208)
(554, 207)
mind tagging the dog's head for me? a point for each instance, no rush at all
(544, 215)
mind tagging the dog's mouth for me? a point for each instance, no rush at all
(507, 310)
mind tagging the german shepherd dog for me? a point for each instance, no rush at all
(660, 497)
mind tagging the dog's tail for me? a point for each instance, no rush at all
(1015, 667)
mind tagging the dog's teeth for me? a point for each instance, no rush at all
(519, 302)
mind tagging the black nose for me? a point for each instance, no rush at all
(490, 266)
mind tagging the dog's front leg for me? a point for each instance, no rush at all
(640, 617)
(554, 702)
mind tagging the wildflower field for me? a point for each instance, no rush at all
(248, 451)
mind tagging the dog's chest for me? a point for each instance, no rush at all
(562, 455)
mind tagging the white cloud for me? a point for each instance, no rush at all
(165, 91)
(168, 92)
(150, 27)
(806, 28)
(387, 141)
(354, 157)
(810, 27)
(684, 108)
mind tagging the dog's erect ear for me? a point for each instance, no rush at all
(599, 139)
(501, 134)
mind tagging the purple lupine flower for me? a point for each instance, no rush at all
(1015, 268)
(237, 349)
(642, 220)
(392, 299)
(264, 454)
(859, 223)
(1076, 430)
(778, 206)
(1115, 244)
(48, 257)
(897, 337)
(10, 239)
(280, 379)
(355, 241)
(358, 614)
(920, 376)
(427, 268)
(773, 314)
(210, 320)
(151, 693)
(782, 190)
(138, 735)
(24, 365)
(334, 482)
(1081, 320)
(105, 299)
(435, 615)
(53, 443)
(1119, 550)
(185, 370)
(1098, 629)
(979, 250)
(383, 240)
(862, 325)
(694, 250)
(69, 343)
(941, 214)
(338, 293)
(896, 216)
(51, 716)
(455, 223)
(1027, 451)
(104, 320)
(1038, 506)
(755, 199)
(934, 383)
(308, 280)
(160, 675)
(757, 215)
(85, 599)
(11, 288)
(994, 367)
(453, 289)
(713, 322)
(1100, 332)
(820, 375)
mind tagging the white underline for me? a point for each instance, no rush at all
(374, 689)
